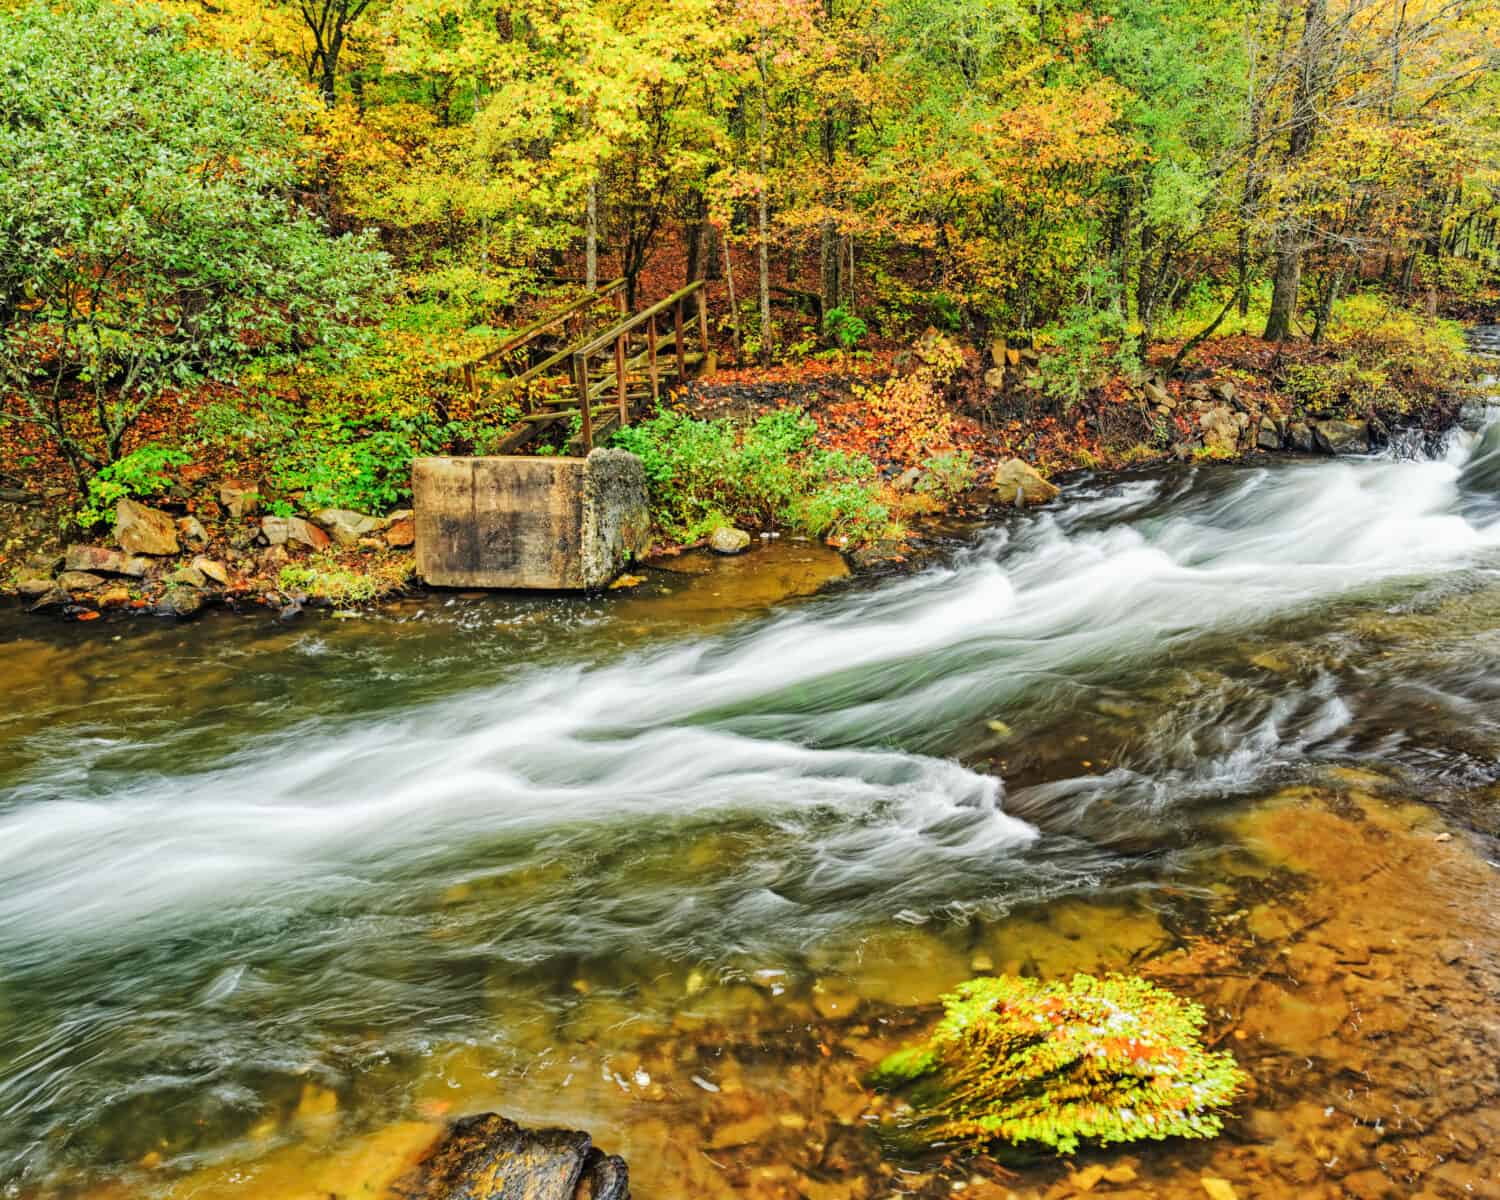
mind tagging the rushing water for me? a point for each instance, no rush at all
(245, 867)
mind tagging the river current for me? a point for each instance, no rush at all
(263, 886)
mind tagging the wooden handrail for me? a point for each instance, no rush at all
(629, 323)
(524, 335)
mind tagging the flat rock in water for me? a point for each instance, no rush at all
(726, 539)
(488, 1157)
(143, 530)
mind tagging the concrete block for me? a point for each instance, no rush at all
(549, 523)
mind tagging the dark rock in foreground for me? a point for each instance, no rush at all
(488, 1157)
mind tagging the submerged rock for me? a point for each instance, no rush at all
(728, 540)
(1018, 482)
(488, 1157)
(143, 530)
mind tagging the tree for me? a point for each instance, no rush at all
(148, 235)
(329, 22)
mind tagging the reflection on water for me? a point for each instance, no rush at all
(672, 869)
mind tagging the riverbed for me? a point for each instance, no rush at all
(676, 864)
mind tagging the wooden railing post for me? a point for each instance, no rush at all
(651, 357)
(586, 415)
(703, 325)
(677, 343)
(620, 380)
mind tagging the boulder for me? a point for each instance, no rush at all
(180, 602)
(51, 600)
(188, 577)
(994, 379)
(1019, 483)
(115, 597)
(1223, 391)
(726, 539)
(345, 526)
(1301, 437)
(212, 569)
(487, 1157)
(32, 586)
(191, 530)
(401, 534)
(1342, 437)
(239, 499)
(1157, 394)
(101, 560)
(278, 531)
(79, 581)
(142, 530)
(1221, 432)
(1268, 437)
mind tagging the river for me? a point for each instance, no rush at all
(674, 865)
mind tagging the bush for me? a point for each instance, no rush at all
(1092, 339)
(947, 476)
(843, 327)
(149, 233)
(703, 474)
(1058, 1065)
(139, 475)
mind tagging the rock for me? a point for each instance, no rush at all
(142, 530)
(1268, 439)
(79, 581)
(994, 379)
(32, 586)
(115, 597)
(278, 531)
(1157, 394)
(1224, 390)
(1301, 437)
(907, 480)
(345, 526)
(212, 569)
(726, 539)
(998, 348)
(50, 600)
(1017, 482)
(188, 577)
(239, 499)
(1221, 431)
(487, 1157)
(1343, 437)
(101, 560)
(180, 602)
(401, 534)
(191, 530)
(273, 559)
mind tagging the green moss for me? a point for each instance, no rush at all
(1061, 1064)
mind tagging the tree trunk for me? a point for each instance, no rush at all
(1287, 281)
(763, 221)
(591, 243)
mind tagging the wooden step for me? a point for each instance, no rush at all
(559, 413)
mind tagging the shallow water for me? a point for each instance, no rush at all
(673, 864)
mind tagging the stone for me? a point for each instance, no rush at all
(53, 598)
(726, 539)
(188, 577)
(907, 480)
(1157, 394)
(1223, 390)
(1268, 439)
(273, 558)
(400, 535)
(529, 522)
(115, 597)
(239, 499)
(142, 530)
(1020, 483)
(32, 586)
(1221, 431)
(101, 560)
(212, 569)
(191, 530)
(1343, 437)
(278, 531)
(1301, 437)
(487, 1157)
(79, 581)
(994, 379)
(181, 602)
(345, 526)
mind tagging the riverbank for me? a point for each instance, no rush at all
(943, 447)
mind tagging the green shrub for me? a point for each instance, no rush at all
(1092, 340)
(139, 475)
(947, 476)
(1058, 1065)
(702, 474)
(844, 327)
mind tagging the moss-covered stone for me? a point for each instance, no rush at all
(1062, 1064)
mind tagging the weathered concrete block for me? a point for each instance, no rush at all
(553, 523)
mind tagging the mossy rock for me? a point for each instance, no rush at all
(1060, 1065)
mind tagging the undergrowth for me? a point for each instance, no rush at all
(767, 474)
